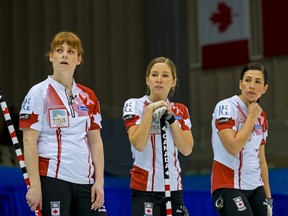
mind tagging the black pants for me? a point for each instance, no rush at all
(241, 202)
(154, 203)
(61, 198)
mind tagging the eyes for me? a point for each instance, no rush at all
(257, 80)
(61, 50)
(156, 74)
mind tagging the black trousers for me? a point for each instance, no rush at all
(240, 202)
(61, 198)
(154, 203)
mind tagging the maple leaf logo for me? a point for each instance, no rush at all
(223, 17)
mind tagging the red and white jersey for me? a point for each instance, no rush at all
(63, 124)
(147, 172)
(243, 170)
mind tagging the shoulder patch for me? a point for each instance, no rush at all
(129, 107)
(27, 105)
(223, 110)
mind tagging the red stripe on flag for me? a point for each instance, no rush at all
(225, 54)
(275, 33)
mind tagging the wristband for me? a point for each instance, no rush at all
(170, 118)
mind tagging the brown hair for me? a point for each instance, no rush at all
(66, 37)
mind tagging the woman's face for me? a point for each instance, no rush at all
(65, 58)
(160, 81)
(252, 85)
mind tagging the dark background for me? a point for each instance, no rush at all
(120, 37)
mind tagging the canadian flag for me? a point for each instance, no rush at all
(223, 32)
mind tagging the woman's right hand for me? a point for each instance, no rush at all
(158, 108)
(254, 110)
(153, 106)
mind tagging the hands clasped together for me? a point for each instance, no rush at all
(164, 110)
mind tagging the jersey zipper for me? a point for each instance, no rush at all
(70, 101)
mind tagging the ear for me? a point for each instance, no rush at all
(174, 83)
(50, 57)
(265, 89)
(147, 81)
(240, 85)
(79, 60)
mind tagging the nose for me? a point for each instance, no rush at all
(64, 56)
(252, 85)
(159, 79)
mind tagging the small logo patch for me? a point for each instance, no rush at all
(239, 203)
(155, 128)
(259, 126)
(148, 209)
(55, 208)
(223, 120)
(83, 108)
(178, 117)
(128, 117)
(24, 116)
(58, 118)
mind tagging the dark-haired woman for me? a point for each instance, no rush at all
(239, 182)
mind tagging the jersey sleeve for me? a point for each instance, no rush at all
(182, 115)
(94, 107)
(96, 119)
(32, 110)
(131, 113)
(264, 128)
(224, 115)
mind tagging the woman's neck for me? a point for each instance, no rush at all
(154, 99)
(64, 80)
(245, 101)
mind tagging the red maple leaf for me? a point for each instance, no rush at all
(223, 17)
(29, 120)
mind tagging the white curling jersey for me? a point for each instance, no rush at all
(63, 124)
(147, 172)
(243, 170)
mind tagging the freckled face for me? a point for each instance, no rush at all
(252, 85)
(65, 57)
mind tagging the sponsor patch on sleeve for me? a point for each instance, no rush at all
(24, 116)
(126, 117)
(222, 120)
